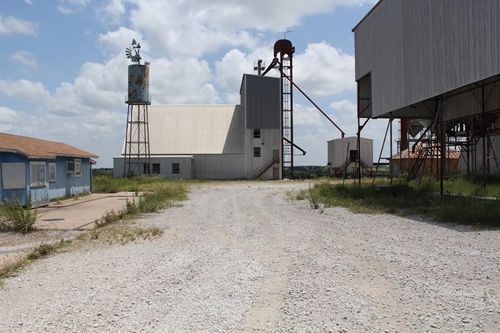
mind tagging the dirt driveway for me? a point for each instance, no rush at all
(240, 257)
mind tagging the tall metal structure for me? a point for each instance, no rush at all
(137, 154)
(283, 52)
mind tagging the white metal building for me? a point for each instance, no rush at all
(343, 154)
(218, 141)
(435, 60)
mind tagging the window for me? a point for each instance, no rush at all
(256, 133)
(52, 172)
(37, 174)
(353, 156)
(256, 151)
(70, 166)
(78, 167)
(13, 176)
(156, 168)
(176, 168)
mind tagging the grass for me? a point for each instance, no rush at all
(38, 252)
(405, 200)
(157, 194)
(15, 217)
(120, 233)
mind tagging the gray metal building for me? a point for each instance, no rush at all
(218, 141)
(438, 60)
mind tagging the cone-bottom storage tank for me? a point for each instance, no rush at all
(138, 84)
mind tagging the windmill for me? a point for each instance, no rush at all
(133, 52)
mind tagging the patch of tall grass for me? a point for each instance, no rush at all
(15, 217)
(406, 200)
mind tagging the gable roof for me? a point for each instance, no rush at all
(38, 148)
(196, 129)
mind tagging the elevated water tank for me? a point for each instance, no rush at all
(138, 84)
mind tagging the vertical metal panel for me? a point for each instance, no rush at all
(261, 101)
(337, 151)
(416, 50)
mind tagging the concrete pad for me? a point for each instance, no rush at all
(82, 213)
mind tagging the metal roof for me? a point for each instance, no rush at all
(196, 129)
(38, 148)
(407, 154)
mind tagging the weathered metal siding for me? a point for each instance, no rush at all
(261, 101)
(138, 84)
(416, 50)
(185, 167)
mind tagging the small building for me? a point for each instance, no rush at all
(35, 171)
(233, 141)
(423, 161)
(343, 155)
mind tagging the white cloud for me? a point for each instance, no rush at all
(307, 116)
(229, 71)
(345, 106)
(323, 70)
(182, 81)
(24, 89)
(25, 58)
(115, 9)
(71, 6)
(8, 119)
(10, 25)
(28, 2)
(114, 42)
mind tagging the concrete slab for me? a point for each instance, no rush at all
(82, 213)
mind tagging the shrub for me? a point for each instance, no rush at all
(18, 218)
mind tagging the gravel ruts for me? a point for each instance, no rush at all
(239, 256)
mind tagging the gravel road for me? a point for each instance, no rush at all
(240, 257)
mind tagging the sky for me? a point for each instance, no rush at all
(64, 72)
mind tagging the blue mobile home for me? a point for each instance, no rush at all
(35, 171)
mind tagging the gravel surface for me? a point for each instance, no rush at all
(240, 257)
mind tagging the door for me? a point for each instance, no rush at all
(39, 191)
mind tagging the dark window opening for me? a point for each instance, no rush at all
(256, 151)
(353, 155)
(256, 133)
(156, 168)
(176, 168)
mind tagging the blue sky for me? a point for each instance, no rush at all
(64, 71)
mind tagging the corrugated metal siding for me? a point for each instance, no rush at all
(227, 166)
(261, 100)
(268, 142)
(196, 129)
(337, 151)
(416, 50)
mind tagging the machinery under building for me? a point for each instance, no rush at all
(435, 63)
(216, 141)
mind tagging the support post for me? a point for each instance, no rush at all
(442, 168)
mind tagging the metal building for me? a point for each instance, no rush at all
(343, 155)
(218, 141)
(435, 60)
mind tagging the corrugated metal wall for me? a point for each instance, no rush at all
(337, 151)
(416, 50)
(260, 99)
